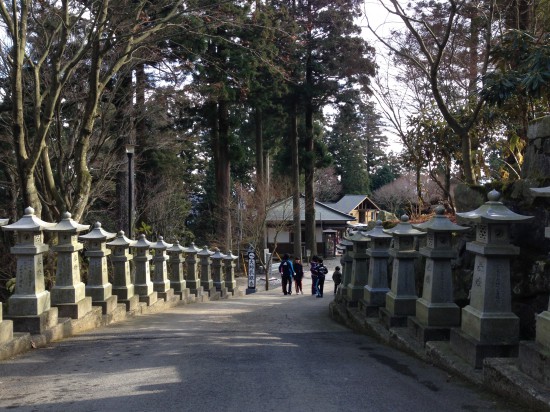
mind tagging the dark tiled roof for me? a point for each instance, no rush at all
(349, 202)
(323, 212)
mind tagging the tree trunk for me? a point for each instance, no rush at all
(293, 137)
(261, 186)
(222, 166)
(309, 168)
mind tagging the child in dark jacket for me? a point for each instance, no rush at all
(313, 268)
(337, 278)
(321, 271)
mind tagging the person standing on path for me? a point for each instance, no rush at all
(337, 278)
(321, 273)
(298, 276)
(313, 268)
(287, 271)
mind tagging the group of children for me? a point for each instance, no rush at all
(295, 271)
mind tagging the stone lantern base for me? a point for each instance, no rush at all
(107, 305)
(474, 351)
(424, 333)
(397, 310)
(433, 321)
(374, 299)
(75, 310)
(6, 330)
(131, 302)
(149, 299)
(224, 293)
(167, 295)
(35, 324)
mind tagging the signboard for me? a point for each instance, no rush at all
(251, 270)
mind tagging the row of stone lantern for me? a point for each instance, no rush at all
(34, 309)
(484, 328)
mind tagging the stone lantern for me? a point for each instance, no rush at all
(374, 295)
(98, 286)
(192, 279)
(175, 274)
(534, 356)
(360, 269)
(143, 287)
(205, 272)
(489, 328)
(436, 311)
(69, 292)
(6, 326)
(347, 266)
(229, 270)
(123, 287)
(217, 274)
(30, 305)
(401, 299)
(161, 284)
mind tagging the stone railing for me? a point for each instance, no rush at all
(485, 328)
(36, 316)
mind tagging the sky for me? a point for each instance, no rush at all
(382, 22)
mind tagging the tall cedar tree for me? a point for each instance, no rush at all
(333, 59)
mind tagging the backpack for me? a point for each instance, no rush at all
(284, 268)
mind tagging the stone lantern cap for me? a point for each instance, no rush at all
(4, 222)
(142, 242)
(378, 231)
(29, 223)
(440, 223)
(121, 240)
(359, 236)
(161, 244)
(229, 256)
(97, 233)
(68, 225)
(493, 211)
(346, 242)
(191, 249)
(404, 228)
(541, 191)
(176, 248)
(205, 252)
(217, 254)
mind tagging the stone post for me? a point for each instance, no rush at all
(374, 296)
(360, 269)
(489, 328)
(161, 284)
(123, 287)
(217, 275)
(205, 273)
(98, 286)
(436, 312)
(143, 287)
(69, 292)
(30, 306)
(175, 274)
(229, 269)
(347, 267)
(534, 357)
(6, 326)
(401, 299)
(192, 279)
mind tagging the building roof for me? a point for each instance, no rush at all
(349, 202)
(282, 211)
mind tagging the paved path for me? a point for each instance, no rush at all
(263, 352)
